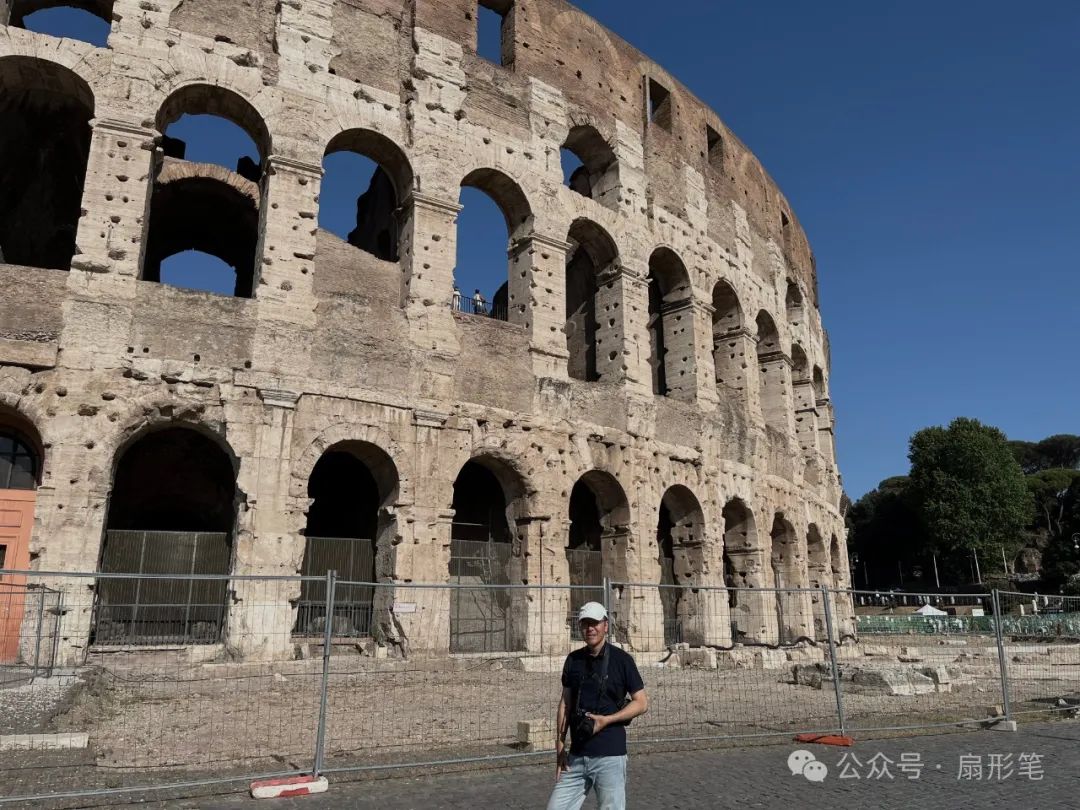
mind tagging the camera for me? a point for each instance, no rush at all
(581, 725)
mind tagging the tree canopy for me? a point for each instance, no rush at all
(1061, 451)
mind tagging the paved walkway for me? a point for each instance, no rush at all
(1036, 767)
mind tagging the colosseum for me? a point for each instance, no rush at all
(645, 399)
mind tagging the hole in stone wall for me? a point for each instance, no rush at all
(45, 113)
(494, 33)
(589, 165)
(659, 104)
(196, 270)
(88, 20)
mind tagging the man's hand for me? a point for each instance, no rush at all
(600, 722)
(561, 761)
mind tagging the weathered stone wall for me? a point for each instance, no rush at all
(337, 346)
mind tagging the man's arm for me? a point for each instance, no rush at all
(638, 705)
(562, 724)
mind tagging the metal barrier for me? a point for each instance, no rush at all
(259, 700)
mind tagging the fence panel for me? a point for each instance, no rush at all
(1042, 652)
(718, 662)
(921, 660)
(115, 711)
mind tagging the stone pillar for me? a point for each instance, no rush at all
(428, 256)
(825, 428)
(754, 610)
(419, 618)
(540, 262)
(704, 371)
(284, 284)
(680, 352)
(539, 615)
(806, 417)
(775, 391)
(622, 336)
(115, 198)
(262, 612)
(735, 371)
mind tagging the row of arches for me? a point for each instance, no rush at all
(174, 503)
(208, 200)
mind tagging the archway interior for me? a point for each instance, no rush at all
(589, 165)
(669, 595)
(739, 540)
(341, 536)
(207, 193)
(19, 463)
(785, 575)
(584, 550)
(726, 322)
(670, 339)
(172, 511)
(480, 555)
(481, 275)
(589, 263)
(85, 20)
(44, 145)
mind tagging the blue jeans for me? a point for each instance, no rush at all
(606, 774)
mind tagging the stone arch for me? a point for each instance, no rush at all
(794, 302)
(729, 338)
(380, 216)
(818, 379)
(744, 571)
(24, 14)
(599, 521)
(837, 562)
(772, 373)
(44, 147)
(205, 207)
(671, 328)
(172, 510)
(680, 547)
(597, 173)
(591, 263)
(508, 301)
(490, 497)
(350, 528)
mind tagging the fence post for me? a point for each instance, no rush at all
(1002, 659)
(328, 632)
(607, 603)
(37, 635)
(826, 598)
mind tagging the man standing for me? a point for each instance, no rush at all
(595, 683)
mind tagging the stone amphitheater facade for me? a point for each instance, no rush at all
(662, 344)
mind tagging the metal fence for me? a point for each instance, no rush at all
(89, 715)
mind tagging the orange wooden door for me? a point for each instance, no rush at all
(16, 521)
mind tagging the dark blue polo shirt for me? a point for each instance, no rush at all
(581, 675)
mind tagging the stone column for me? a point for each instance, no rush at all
(806, 417)
(754, 610)
(680, 353)
(428, 256)
(540, 262)
(622, 336)
(539, 615)
(775, 391)
(735, 371)
(262, 612)
(284, 284)
(704, 370)
(115, 198)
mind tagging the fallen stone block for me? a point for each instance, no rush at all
(44, 742)
(536, 735)
(893, 681)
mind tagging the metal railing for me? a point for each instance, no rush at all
(263, 701)
(468, 305)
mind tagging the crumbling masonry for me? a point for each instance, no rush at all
(654, 393)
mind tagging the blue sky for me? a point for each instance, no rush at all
(930, 151)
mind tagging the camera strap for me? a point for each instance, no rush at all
(600, 690)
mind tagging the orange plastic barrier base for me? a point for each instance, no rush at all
(825, 739)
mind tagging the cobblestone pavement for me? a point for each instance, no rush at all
(759, 777)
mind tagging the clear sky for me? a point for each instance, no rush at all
(930, 151)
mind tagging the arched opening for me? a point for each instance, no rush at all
(87, 20)
(837, 563)
(742, 566)
(495, 214)
(679, 539)
(486, 492)
(207, 192)
(366, 177)
(819, 384)
(349, 523)
(771, 362)
(599, 517)
(21, 457)
(784, 560)
(591, 263)
(729, 359)
(794, 303)
(820, 570)
(671, 333)
(44, 144)
(805, 410)
(172, 511)
(589, 166)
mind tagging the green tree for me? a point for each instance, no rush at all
(885, 533)
(1061, 451)
(1048, 490)
(969, 493)
(1061, 557)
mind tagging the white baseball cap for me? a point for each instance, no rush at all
(592, 610)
